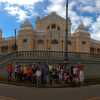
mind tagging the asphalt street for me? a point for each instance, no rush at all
(11, 92)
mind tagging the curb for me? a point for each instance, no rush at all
(48, 86)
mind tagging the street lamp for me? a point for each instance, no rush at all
(15, 41)
(66, 36)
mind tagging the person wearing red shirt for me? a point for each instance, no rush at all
(10, 71)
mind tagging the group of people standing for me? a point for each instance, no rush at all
(42, 73)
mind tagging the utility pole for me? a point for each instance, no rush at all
(66, 36)
(15, 40)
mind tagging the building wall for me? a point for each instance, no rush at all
(54, 28)
(25, 40)
(81, 42)
(49, 34)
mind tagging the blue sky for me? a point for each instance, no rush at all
(13, 12)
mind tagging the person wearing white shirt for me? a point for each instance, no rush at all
(38, 77)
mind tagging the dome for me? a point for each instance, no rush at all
(53, 13)
(81, 28)
(26, 24)
(82, 31)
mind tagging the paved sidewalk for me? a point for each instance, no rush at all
(29, 84)
(25, 93)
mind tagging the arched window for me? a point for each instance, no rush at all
(98, 50)
(54, 41)
(69, 42)
(83, 42)
(58, 28)
(53, 26)
(40, 41)
(48, 27)
(62, 44)
(92, 50)
(26, 41)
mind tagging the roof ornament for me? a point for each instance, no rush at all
(81, 27)
(26, 23)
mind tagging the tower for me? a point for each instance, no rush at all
(81, 39)
(25, 36)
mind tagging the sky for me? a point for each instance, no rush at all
(13, 12)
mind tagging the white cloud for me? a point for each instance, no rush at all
(16, 11)
(86, 2)
(21, 2)
(97, 25)
(89, 9)
(14, 8)
(97, 3)
(95, 28)
(57, 6)
(75, 19)
(71, 5)
(87, 21)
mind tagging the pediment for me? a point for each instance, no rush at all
(53, 17)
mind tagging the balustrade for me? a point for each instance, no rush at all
(40, 54)
(50, 56)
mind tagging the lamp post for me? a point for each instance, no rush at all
(66, 36)
(15, 40)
